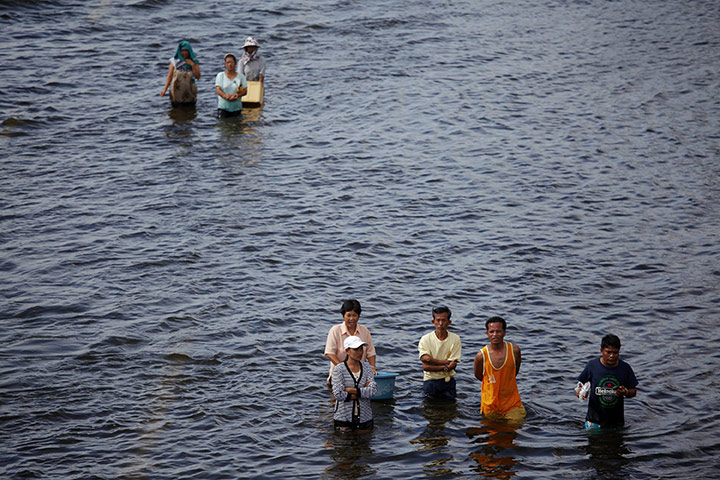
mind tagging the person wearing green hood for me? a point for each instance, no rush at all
(184, 70)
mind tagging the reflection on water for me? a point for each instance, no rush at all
(495, 437)
(251, 114)
(437, 413)
(608, 453)
(351, 456)
(240, 136)
(436, 437)
(182, 114)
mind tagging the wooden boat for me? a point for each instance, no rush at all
(254, 96)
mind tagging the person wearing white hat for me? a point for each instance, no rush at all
(334, 349)
(353, 384)
(252, 64)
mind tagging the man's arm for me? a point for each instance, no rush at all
(431, 364)
(479, 365)
(518, 358)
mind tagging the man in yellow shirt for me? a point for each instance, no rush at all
(440, 353)
(496, 366)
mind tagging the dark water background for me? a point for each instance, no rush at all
(169, 279)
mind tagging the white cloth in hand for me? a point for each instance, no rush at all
(582, 389)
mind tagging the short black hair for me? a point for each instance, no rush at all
(441, 309)
(495, 319)
(610, 340)
(351, 305)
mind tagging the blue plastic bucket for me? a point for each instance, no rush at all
(385, 385)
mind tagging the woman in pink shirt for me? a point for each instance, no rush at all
(334, 348)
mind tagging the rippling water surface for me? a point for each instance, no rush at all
(169, 279)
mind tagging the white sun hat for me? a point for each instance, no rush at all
(251, 42)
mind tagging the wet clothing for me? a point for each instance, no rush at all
(230, 86)
(337, 335)
(355, 414)
(440, 385)
(440, 389)
(225, 114)
(183, 89)
(499, 387)
(252, 66)
(180, 66)
(605, 408)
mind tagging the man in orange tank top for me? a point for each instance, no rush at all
(496, 366)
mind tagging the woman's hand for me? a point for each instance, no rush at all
(226, 96)
(195, 68)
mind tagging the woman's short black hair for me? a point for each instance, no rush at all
(351, 305)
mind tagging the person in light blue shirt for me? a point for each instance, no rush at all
(230, 86)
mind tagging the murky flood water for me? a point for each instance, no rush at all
(169, 279)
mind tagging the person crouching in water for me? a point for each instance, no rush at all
(353, 384)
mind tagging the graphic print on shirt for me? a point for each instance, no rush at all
(605, 391)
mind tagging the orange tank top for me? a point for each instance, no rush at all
(499, 388)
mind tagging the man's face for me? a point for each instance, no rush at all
(610, 356)
(495, 333)
(441, 321)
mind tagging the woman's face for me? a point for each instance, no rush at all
(351, 319)
(250, 50)
(185, 53)
(230, 64)
(355, 353)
